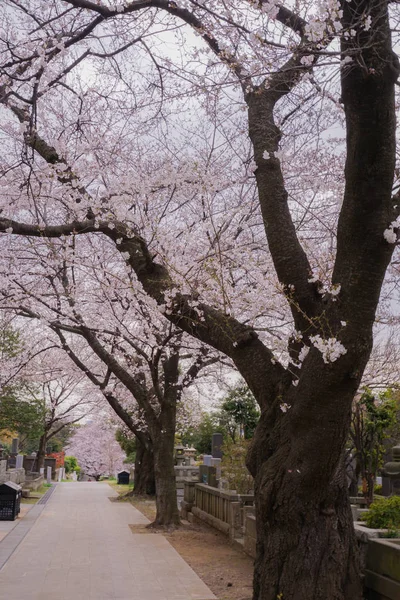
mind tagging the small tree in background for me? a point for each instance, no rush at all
(96, 449)
(239, 413)
(71, 465)
(24, 417)
(374, 418)
(200, 437)
(233, 466)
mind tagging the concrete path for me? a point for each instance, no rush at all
(7, 526)
(81, 548)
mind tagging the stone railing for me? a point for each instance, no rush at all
(223, 509)
(233, 514)
(250, 532)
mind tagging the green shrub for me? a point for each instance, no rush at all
(377, 489)
(233, 466)
(71, 465)
(384, 514)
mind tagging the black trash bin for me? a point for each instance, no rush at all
(123, 478)
(10, 500)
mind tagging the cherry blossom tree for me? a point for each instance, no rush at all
(96, 449)
(272, 250)
(155, 376)
(140, 363)
(64, 401)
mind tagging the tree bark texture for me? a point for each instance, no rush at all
(41, 452)
(144, 480)
(167, 514)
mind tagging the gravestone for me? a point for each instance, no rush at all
(49, 475)
(208, 475)
(216, 444)
(74, 476)
(19, 461)
(212, 477)
(203, 474)
(42, 471)
(207, 460)
(216, 462)
(59, 475)
(14, 446)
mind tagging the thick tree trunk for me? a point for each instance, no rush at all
(41, 452)
(144, 480)
(306, 549)
(166, 501)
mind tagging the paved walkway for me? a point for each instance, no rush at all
(81, 548)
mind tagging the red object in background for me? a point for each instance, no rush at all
(59, 456)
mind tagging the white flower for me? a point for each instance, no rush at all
(295, 382)
(266, 155)
(367, 23)
(330, 348)
(253, 166)
(303, 353)
(343, 323)
(346, 61)
(284, 407)
(390, 236)
(307, 60)
(335, 290)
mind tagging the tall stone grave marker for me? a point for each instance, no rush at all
(14, 446)
(49, 475)
(216, 444)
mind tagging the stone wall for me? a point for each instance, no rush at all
(34, 482)
(14, 475)
(380, 563)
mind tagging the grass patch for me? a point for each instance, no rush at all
(120, 489)
(36, 494)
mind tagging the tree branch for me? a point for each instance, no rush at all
(207, 324)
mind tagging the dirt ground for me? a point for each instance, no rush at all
(226, 570)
